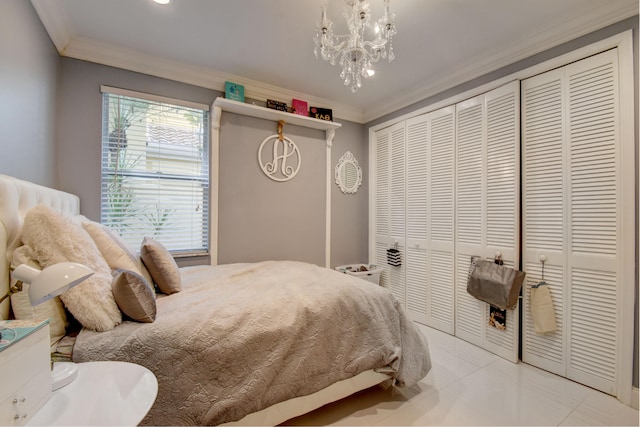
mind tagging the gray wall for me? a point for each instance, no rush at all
(258, 218)
(350, 219)
(631, 23)
(29, 69)
(262, 219)
(80, 121)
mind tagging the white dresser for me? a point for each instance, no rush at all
(25, 369)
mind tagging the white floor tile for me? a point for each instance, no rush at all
(529, 381)
(492, 398)
(470, 386)
(453, 358)
(602, 410)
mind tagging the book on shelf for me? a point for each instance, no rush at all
(299, 107)
(321, 113)
(234, 91)
(277, 105)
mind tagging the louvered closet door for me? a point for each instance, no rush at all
(390, 222)
(382, 193)
(470, 207)
(440, 208)
(487, 208)
(503, 201)
(543, 207)
(417, 257)
(573, 208)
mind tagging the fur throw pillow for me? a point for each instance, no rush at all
(54, 239)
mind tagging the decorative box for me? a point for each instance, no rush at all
(299, 107)
(277, 105)
(369, 272)
(234, 91)
(321, 113)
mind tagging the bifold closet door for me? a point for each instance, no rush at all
(389, 217)
(576, 215)
(430, 218)
(487, 216)
(417, 256)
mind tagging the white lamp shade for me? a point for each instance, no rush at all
(52, 281)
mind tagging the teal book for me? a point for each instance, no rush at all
(13, 331)
(234, 91)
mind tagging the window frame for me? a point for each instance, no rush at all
(206, 178)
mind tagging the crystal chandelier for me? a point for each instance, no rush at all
(352, 51)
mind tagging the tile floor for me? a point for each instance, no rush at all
(470, 386)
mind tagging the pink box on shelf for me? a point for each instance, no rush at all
(299, 107)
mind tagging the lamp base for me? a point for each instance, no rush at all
(62, 374)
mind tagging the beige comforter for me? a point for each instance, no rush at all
(239, 338)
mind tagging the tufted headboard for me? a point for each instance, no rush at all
(16, 198)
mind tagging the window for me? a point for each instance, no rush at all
(155, 170)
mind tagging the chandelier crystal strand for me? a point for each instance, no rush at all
(355, 54)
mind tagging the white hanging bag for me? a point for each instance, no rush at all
(542, 311)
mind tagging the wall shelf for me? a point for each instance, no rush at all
(271, 114)
(230, 106)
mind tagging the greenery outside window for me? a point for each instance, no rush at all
(155, 170)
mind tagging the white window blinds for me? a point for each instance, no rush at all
(155, 170)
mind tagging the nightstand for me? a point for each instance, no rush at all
(104, 393)
(25, 370)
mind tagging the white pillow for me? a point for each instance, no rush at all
(56, 239)
(115, 250)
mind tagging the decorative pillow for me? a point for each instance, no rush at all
(54, 239)
(115, 250)
(161, 265)
(134, 295)
(21, 304)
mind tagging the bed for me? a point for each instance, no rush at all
(246, 343)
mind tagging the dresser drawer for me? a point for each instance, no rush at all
(22, 405)
(26, 377)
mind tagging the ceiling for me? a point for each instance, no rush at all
(267, 45)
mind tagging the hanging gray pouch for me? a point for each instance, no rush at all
(496, 284)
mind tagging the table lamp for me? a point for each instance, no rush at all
(45, 285)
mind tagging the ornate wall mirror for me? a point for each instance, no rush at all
(348, 174)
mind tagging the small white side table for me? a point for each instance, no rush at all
(104, 393)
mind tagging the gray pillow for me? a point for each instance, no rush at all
(161, 266)
(134, 295)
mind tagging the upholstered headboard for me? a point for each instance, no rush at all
(16, 198)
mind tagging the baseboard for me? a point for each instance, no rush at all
(634, 397)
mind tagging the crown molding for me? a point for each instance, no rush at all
(590, 21)
(55, 21)
(106, 54)
(51, 13)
